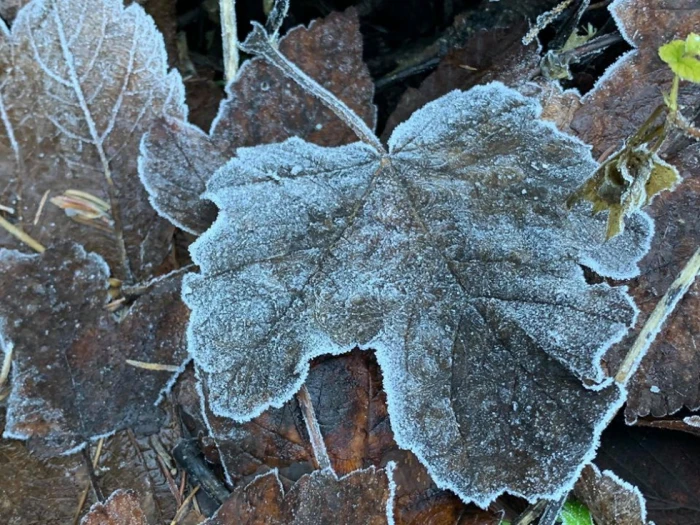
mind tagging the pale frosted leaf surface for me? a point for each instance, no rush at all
(454, 257)
(121, 508)
(609, 498)
(363, 497)
(70, 379)
(87, 79)
(262, 106)
(176, 161)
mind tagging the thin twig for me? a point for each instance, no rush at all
(182, 508)
(19, 234)
(317, 443)
(229, 37)
(86, 491)
(658, 317)
(6, 364)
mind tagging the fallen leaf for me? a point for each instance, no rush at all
(121, 508)
(633, 87)
(350, 407)
(81, 84)
(496, 54)
(668, 378)
(609, 498)
(33, 490)
(362, 497)
(664, 465)
(70, 379)
(453, 258)
(262, 106)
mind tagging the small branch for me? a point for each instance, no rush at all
(6, 364)
(658, 317)
(531, 513)
(188, 456)
(317, 443)
(259, 43)
(229, 38)
(19, 234)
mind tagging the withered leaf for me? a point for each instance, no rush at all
(633, 87)
(452, 256)
(262, 106)
(70, 379)
(664, 465)
(33, 490)
(625, 183)
(363, 497)
(351, 410)
(494, 55)
(121, 508)
(81, 82)
(609, 498)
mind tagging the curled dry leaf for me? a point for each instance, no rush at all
(610, 499)
(453, 257)
(80, 83)
(33, 490)
(70, 379)
(262, 106)
(363, 497)
(633, 87)
(121, 508)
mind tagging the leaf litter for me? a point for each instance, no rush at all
(363, 497)
(592, 374)
(79, 84)
(262, 106)
(70, 379)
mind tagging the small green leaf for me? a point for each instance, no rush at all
(574, 513)
(680, 55)
(692, 44)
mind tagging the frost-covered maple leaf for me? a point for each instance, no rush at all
(453, 256)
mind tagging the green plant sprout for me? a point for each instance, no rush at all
(630, 178)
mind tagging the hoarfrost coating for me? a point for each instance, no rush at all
(470, 289)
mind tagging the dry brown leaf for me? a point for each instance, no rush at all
(262, 106)
(610, 499)
(362, 497)
(80, 85)
(38, 491)
(121, 508)
(633, 87)
(70, 379)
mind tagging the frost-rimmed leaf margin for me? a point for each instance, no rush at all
(608, 266)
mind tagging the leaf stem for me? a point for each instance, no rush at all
(261, 44)
(658, 317)
(229, 38)
(317, 443)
